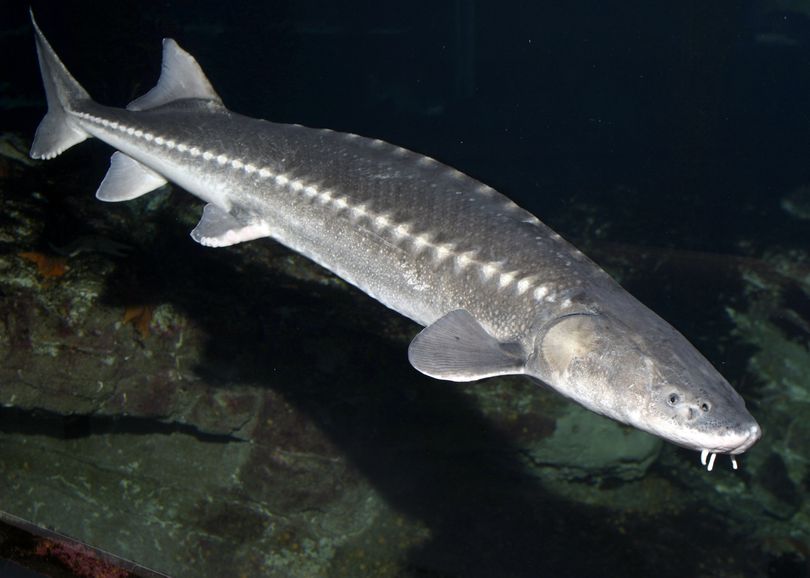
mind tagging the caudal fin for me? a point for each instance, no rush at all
(57, 132)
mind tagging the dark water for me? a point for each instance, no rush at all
(669, 142)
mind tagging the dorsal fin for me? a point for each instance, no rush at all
(180, 77)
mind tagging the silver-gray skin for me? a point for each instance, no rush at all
(498, 291)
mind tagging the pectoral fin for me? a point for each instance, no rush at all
(457, 348)
(217, 228)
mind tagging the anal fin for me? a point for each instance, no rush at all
(457, 348)
(127, 179)
(217, 228)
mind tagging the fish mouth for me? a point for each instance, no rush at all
(732, 441)
(744, 440)
(735, 442)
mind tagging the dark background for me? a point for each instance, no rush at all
(690, 117)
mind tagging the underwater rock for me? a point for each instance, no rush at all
(797, 202)
(774, 319)
(587, 446)
(559, 441)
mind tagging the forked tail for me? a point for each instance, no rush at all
(57, 132)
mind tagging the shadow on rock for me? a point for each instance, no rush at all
(340, 360)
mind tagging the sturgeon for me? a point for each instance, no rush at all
(499, 292)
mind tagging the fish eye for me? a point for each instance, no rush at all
(673, 399)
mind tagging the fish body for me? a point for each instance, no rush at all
(498, 291)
